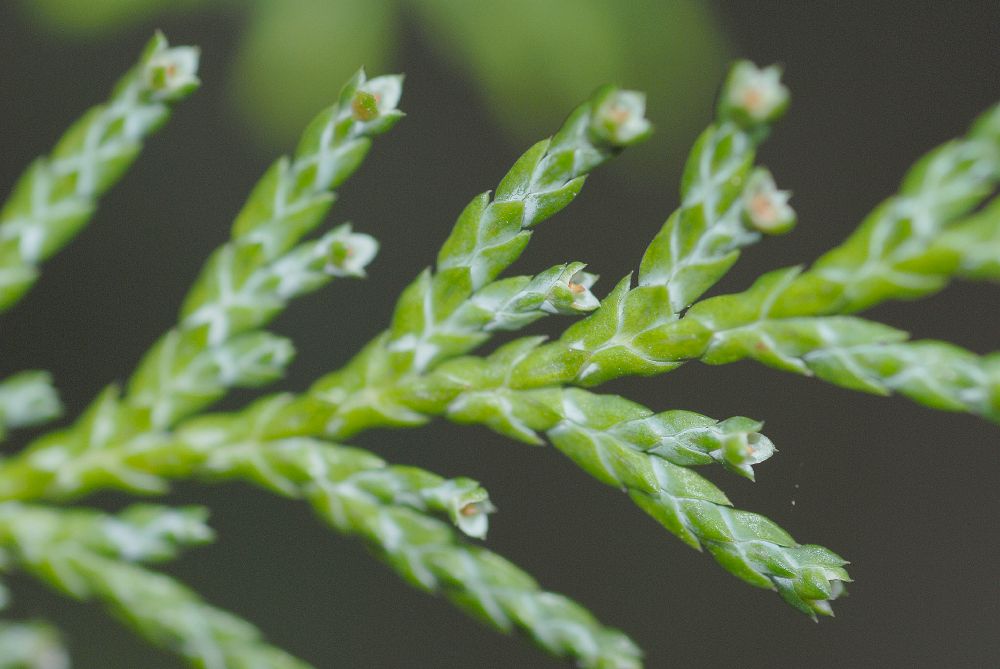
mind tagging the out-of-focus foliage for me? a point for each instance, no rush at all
(526, 58)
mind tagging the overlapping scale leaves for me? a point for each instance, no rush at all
(248, 281)
(697, 245)
(56, 197)
(800, 320)
(92, 556)
(909, 247)
(437, 326)
(627, 446)
(848, 351)
(450, 311)
(491, 233)
(389, 507)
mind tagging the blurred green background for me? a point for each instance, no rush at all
(907, 494)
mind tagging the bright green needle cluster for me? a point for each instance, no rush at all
(625, 445)
(392, 508)
(427, 554)
(218, 342)
(58, 194)
(451, 311)
(941, 225)
(91, 556)
(909, 247)
(138, 440)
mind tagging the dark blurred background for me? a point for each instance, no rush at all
(909, 495)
